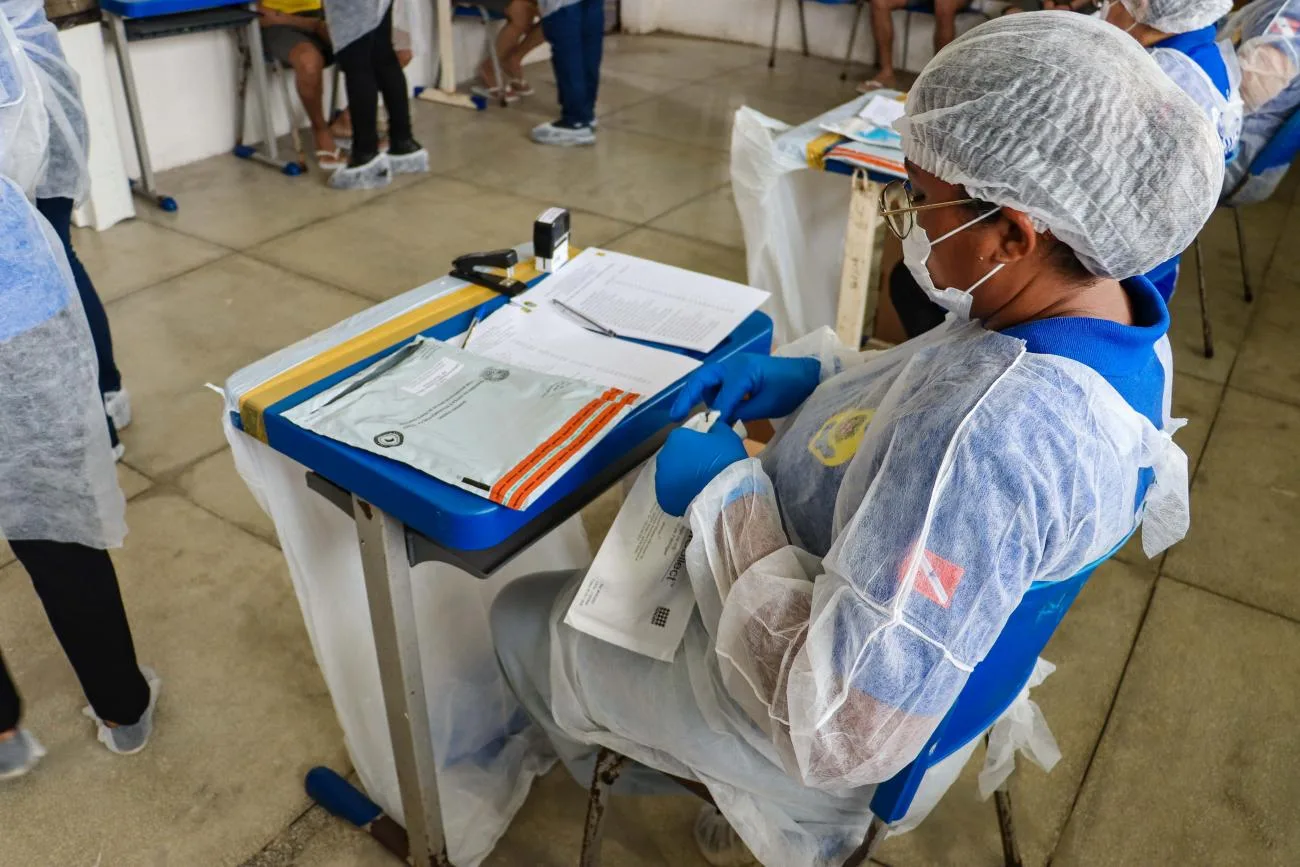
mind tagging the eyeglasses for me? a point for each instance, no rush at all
(897, 208)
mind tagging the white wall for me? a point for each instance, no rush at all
(188, 88)
(750, 22)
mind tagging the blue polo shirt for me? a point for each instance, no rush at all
(1200, 47)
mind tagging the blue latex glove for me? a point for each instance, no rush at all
(749, 386)
(690, 460)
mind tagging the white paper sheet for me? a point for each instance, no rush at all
(649, 300)
(882, 110)
(538, 338)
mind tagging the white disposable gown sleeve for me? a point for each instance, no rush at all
(851, 661)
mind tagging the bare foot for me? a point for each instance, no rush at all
(325, 141)
(487, 73)
(342, 125)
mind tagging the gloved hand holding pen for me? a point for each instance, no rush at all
(749, 386)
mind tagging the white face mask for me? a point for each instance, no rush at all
(916, 252)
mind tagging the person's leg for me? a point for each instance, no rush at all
(519, 16)
(79, 590)
(392, 84)
(563, 29)
(59, 214)
(533, 38)
(11, 704)
(882, 30)
(308, 65)
(593, 45)
(945, 21)
(363, 97)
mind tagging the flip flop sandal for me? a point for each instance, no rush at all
(331, 160)
(871, 85)
(521, 87)
(494, 93)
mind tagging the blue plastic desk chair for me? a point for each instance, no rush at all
(803, 29)
(1281, 150)
(992, 687)
(470, 9)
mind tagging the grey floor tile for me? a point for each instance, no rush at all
(701, 115)
(409, 238)
(677, 57)
(625, 176)
(711, 217)
(811, 82)
(243, 714)
(701, 256)
(216, 485)
(1197, 765)
(136, 253)
(1269, 363)
(1090, 649)
(1244, 515)
(238, 203)
(173, 337)
(618, 90)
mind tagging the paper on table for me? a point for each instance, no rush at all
(882, 110)
(537, 338)
(637, 594)
(866, 132)
(649, 300)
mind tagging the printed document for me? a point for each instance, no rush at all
(541, 338)
(650, 301)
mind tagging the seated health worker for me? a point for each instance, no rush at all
(1180, 35)
(850, 578)
(1266, 34)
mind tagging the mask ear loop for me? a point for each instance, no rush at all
(966, 225)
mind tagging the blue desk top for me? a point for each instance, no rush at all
(155, 8)
(448, 515)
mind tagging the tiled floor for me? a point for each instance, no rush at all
(1178, 687)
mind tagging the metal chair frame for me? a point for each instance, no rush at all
(803, 30)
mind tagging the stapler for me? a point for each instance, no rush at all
(470, 268)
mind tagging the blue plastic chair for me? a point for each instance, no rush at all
(1281, 150)
(803, 29)
(991, 688)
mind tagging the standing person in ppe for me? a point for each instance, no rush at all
(1180, 35)
(850, 578)
(66, 182)
(576, 31)
(60, 504)
(361, 32)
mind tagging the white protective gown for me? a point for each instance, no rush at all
(1224, 112)
(850, 579)
(57, 476)
(66, 174)
(349, 20)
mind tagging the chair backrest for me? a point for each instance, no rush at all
(1281, 149)
(991, 688)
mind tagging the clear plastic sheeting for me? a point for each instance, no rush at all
(24, 122)
(793, 218)
(975, 118)
(850, 579)
(1266, 35)
(488, 751)
(58, 481)
(349, 20)
(1177, 16)
(66, 173)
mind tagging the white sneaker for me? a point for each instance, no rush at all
(118, 406)
(563, 136)
(718, 842)
(19, 754)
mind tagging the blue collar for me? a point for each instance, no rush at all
(1189, 41)
(1107, 347)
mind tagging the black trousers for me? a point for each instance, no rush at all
(79, 590)
(371, 67)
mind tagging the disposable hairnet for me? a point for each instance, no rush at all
(349, 20)
(1068, 119)
(1177, 16)
(24, 124)
(58, 481)
(66, 173)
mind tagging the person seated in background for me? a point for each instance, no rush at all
(882, 29)
(295, 35)
(1266, 35)
(576, 31)
(1180, 36)
(850, 579)
(521, 33)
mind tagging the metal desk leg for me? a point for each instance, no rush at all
(387, 572)
(257, 67)
(862, 248)
(146, 188)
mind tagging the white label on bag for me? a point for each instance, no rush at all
(441, 371)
